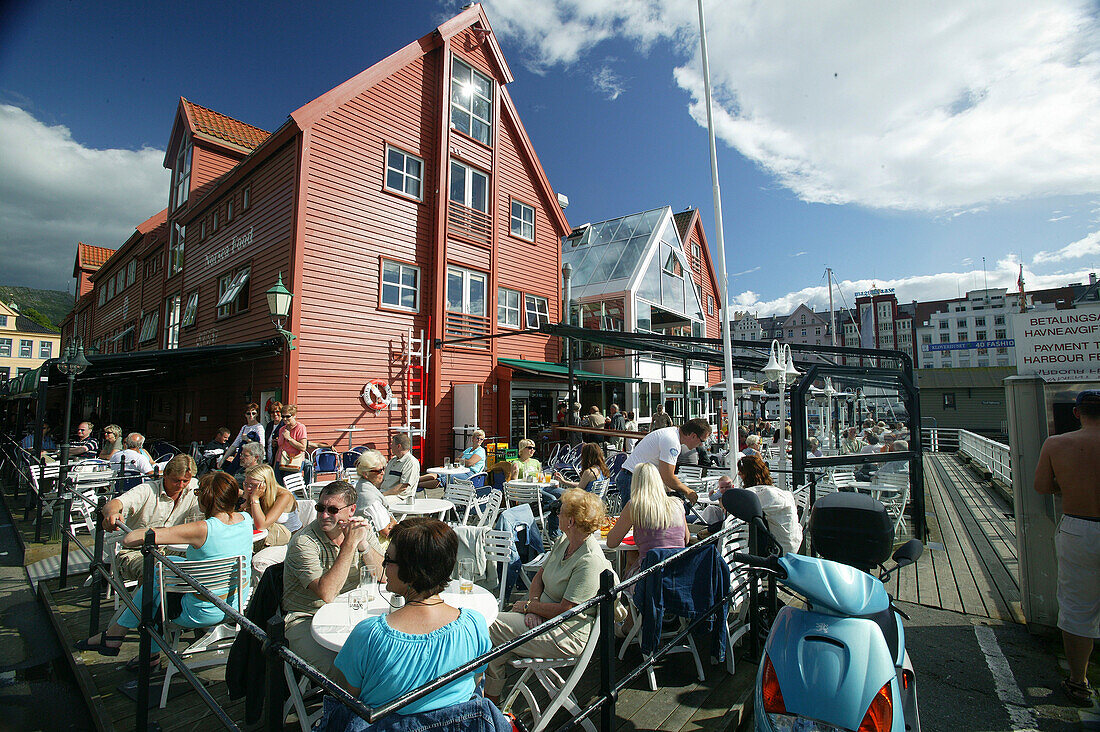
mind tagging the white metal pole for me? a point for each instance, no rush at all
(723, 285)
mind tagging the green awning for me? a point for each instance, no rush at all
(561, 371)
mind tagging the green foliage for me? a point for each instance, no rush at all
(45, 307)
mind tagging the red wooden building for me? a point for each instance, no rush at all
(406, 205)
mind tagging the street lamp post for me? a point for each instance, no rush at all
(780, 368)
(278, 303)
(72, 364)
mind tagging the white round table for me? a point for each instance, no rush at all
(447, 473)
(437, 507)
(315, 487)
(532, 484)
(333, 622)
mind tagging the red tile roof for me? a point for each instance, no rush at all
(217, 125)
(152, 222)
(91, 257)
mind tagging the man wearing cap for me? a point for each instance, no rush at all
(1068, 466)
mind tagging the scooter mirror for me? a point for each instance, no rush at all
(742, 503)
(909, 552)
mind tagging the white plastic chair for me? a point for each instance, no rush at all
(498, 549)
(463, 495)
(548, 672)
(490, 509)
(599, 487)
(737, 616)
(515, 494)
(298, 690)
(296, 484)
(689, 472)
(221, 577)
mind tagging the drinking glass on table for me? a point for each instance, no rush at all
(466, 576)
(357, 605)
(368, 582)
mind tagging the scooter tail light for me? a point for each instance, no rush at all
(769, 689)
(880, 715)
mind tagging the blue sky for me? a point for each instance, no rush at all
(896, 145)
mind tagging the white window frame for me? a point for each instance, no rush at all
(467, 276)
(5, 347)
(175, 249)
(172, 322)
(458, 108)
(190, 310)
(521, 226)
(400, 269)
(230, 286)
(531, 306)
(149, 324)
(406, 176)
(182, 173)
(26, 348)
(468, 175)
(508, 315)
(3, 321)
(45, 349)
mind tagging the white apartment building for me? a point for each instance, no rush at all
(975, 331)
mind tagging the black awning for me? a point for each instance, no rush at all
(154, 363)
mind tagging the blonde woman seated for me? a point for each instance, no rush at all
(657, 518)
(271, 506)
(371, 469)
(569, 576)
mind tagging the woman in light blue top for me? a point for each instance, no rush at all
(473, 457)
(388, 655)
(225, 533)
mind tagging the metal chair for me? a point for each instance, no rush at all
(490, 509)
(296, 484)
(737, 617)
(348, 458)
(463, 495)
(325, 460)
(498, 549)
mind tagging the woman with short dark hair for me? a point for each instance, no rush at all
(388, 655)
(225, 532)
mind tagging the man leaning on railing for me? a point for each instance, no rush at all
(168, 501)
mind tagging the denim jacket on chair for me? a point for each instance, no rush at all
(476, 715)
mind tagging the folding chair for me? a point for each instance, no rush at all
(223, 576)
(515, 494)
(547, 671)
(490, 509)
(689, 472)
(325, 460)
(349, 458)
(298, 690)
(599, 487)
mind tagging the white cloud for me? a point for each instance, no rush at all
(747, 271)
(1084, 247)
(939, 286)
(799, 254)
(55, 192)
(914, 106)
(608, 83)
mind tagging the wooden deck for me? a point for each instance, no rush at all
(680, 703)
(970, 565)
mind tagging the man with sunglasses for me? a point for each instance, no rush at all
(322, 561)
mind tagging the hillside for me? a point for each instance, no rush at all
(51, 305)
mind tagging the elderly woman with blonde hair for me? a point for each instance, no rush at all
(569, 576)
(271, 506)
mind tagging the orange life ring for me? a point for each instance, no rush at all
(377, 395)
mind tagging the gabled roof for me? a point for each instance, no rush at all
(206, 124)
(683, 222)
(143, 229)
(153, 222)
(25, 325)
(90, 257)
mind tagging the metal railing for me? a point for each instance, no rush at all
(995, 457)
(940, 439)
(276, 652)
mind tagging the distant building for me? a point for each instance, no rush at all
(24, 344)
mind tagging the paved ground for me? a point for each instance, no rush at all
(37, 690)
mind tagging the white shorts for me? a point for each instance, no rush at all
(1078, 545)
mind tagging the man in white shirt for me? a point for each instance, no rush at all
(661, 448)
(166, 502)
(402, 471)
(132, 458)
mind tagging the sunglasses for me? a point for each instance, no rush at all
(252, 412)
(386, 560)
(330, 510)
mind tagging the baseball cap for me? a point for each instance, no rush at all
(1088, 396)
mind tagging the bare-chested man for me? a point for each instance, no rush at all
(1069, 465)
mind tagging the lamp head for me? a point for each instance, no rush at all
(278, 299)
(772, 371)
(791, 372)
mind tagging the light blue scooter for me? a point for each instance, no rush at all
(839, 663)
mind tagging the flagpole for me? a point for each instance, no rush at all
(733, 442)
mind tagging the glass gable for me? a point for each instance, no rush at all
(609, 250)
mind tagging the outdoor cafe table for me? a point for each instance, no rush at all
(333, 622)
(447, 473)
(421, 507)
(532, 484)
